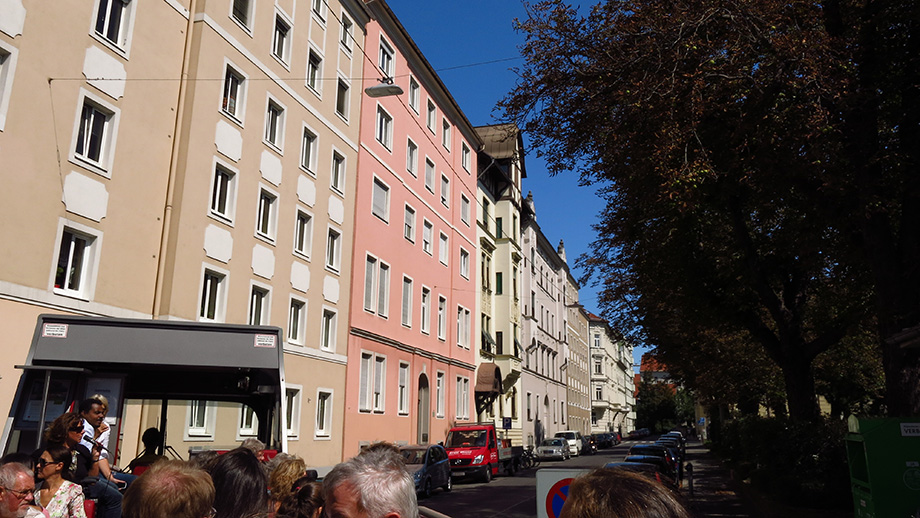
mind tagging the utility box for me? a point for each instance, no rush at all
(884, 460)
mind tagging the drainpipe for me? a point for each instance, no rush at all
(173, 165)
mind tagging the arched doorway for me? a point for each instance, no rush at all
(424, 409)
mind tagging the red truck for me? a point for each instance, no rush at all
(476, 451)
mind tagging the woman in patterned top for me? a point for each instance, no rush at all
(58, 498)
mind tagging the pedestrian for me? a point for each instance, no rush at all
(373, 484)
(16, 490)
(282, 477)
(241, 485)
(607, 492)
(58, 497)
(170, 489)
(304, 501)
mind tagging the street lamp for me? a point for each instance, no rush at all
(386, 88)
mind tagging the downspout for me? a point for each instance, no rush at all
(173, 165)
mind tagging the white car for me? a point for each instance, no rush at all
(553, 449)
(573, 437)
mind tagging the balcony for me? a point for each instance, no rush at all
(511, 369)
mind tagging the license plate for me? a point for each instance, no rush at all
(458, 472)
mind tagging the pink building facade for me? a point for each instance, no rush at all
(413, 325)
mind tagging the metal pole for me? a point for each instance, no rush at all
(41, 419)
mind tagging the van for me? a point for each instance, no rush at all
(573, 437)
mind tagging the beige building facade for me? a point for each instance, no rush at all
(613, 402)
(576, 361)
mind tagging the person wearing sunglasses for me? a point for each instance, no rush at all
(58, 497)
(16, 488)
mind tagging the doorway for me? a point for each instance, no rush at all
(424, 409)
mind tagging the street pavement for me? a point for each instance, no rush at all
(515, 497)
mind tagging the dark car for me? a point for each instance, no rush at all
(603, 440)
(587, 446)
(661, 465)
(651, 469)
(657, 450)
(429, 467)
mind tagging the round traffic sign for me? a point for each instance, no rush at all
(555, 497)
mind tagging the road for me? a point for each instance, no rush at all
(511, 497)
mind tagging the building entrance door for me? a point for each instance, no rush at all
(424, 409)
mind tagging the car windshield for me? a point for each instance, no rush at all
(552, 442)
(460, 438)
(566, 435)
(647, 450)
(414, 456)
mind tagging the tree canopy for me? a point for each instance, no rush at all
(759, 163)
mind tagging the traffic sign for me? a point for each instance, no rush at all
(506, 423)
(553, 490)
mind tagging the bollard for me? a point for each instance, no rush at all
(690, 478)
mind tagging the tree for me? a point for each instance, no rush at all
(723, 135)
(656, 407)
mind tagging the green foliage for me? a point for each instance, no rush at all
(656, 406)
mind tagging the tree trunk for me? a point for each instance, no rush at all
(799, 378)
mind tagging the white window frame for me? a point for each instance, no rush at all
(445, 134)
(346, 33)
(415, 95)
(440, 394)
(380, 199)
(318, 7)
(297, 321)
(463, 327)
(386, 58)
(406, 307)
(384, 128)
(267, 214)
(412, 157)
(248, 15)
(338, 172)
(222, 278)
(429, 175)
(223, 191)
(409, 219)
(273, 135)
(200, 433)
(333, 259)
(88, 263)
(8, 57)
(379, 386)
(103, 164)
(260, 297)
(466, 157)
(365, 381)
(442, 318)
(247, 422)
(463, 397)
(425, 313)
(465, 209)
(342, 98)
(323, 424)
(376, 286)
(309, 150)
(281, 39)
(427, 237)
(443, 248)
(294, 399)
(121, 42)
(239, 104)
(303, 233)
(464, 263)
(445, 190)
(431, 116)
(314, 71)
(329, 329)
(403, 390)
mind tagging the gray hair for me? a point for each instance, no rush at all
(379, 476)
(10, 472)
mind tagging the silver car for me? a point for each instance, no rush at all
(553, 449)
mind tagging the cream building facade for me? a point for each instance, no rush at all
(613, 403)
(577, 359)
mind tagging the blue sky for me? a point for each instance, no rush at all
(473, 46)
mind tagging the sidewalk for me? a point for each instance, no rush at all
(714, 494)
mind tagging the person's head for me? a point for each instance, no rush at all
(281, 479)
(241, 485)
(105, 403)
(170, 489)
(54, 461)
(67, 429)
(304, 501)
(254, 445)
(618, 492)
(22, 458)
(151, 439)
(93, 411)
(16, 487)
(204, 460)
(374, 484)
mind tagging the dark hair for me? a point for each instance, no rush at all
(62, 454)
(151, 438)
(56, 433)
(617, 492)
(241, 485)
(87, 404)
(204, 460)
(170, 489)
(18, 457)
(305, 498)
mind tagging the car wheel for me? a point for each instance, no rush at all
(426, 492)
(487, 476)
(449, 485)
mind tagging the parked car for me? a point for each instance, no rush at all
(651, 469)
(429, 467)
(603, 440)
(553, 449)
(574, 439)
(677, 436)
(674, 445)
(661, 464)
(657, 450)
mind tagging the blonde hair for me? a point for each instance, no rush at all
(282, 478)
(105, 402)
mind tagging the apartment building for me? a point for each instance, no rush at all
(543, 378)
(577, 359)
(613, 403)
(193, 160)
(501, 170)
(411, 337)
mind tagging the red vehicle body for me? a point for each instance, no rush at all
(475, 451)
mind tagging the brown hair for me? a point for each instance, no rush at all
(617, 492)
(282, 478)
(305, 498)
(170, 489)
(56, 433)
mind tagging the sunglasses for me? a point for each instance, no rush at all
(42, 463)
(76, 428)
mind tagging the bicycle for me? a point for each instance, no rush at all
(529, 459)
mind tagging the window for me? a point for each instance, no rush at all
(242, 11)
(485, 270)
(303, 234)
(529, 418)
(281, 40)
(8, 55)
(426, 310)
(499, 284)
(514, 287)
(432, 116)
(265, 224)
(445, 134)
(333, 249)
(407, 302)
(223, 193)
(498, 228)
(465, 157)
(411, 158)
(429, 175)
(341, 99)
(232, 101)
(463, 327)
(296, 321)
(380, 204)
(314, 71)
(319, 9)
(292, 416)
(376, 286)
(599, 393)
(414, 94)
(328, 331)
(443, 250)
(465, 209)
(274, 124)
(427, 236)
(348, 32)
(94, 134)
(598, 367)
(248, 422)
(445, 191)
(76, 255)
(337, 180)
(212, 296)
(308, 151)
(112, 21)
(380, 370)
(463, 398)
(200, 419)
(464, 264)
(323, 413)
(385, 59)
(258, 306)
(403, 396)
(384, 132)
(365, 383)
(485, 213)
(439, 409)
(409, 227)
(442, 318)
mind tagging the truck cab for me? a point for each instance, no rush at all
(475, 451)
